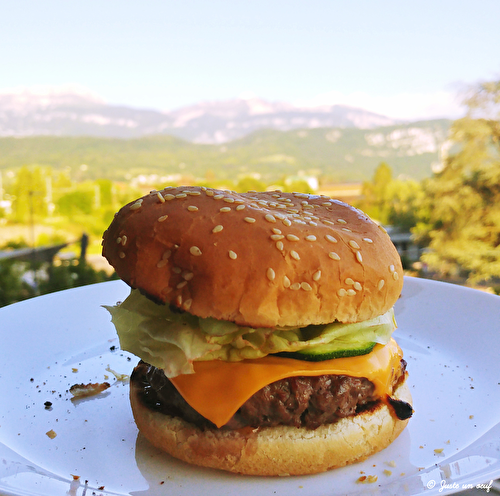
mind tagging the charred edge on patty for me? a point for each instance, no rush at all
(297, 401)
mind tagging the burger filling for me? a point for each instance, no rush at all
(296, 401)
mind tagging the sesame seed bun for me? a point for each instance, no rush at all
(257, 259)
(281, 450)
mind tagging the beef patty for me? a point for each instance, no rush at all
(296, 401)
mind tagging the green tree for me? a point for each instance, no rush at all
(376, 194)
(460, 216)
(29, 191)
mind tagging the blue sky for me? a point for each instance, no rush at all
(403, 59)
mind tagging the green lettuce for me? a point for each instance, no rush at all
(173, 341)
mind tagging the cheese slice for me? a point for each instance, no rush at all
(217, 389)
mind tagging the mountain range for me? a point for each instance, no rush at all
(74, 112)
(77, 131)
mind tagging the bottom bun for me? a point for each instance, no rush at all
(281, 450)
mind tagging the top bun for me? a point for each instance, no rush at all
(258, 259)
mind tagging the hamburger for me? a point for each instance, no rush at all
(263, 323)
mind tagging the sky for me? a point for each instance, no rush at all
(407, 60)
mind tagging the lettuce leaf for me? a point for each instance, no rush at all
(173, 341)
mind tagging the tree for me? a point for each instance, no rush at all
(376, 200)
(460, 216)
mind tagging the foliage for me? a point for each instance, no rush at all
(460, 216)
(12, 285)
(391, 201)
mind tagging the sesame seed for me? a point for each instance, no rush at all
(187, 276)
(217, 228)
(286, 282)
(306, 286)
(349, 281)
(270, 218)
(209, 192)
(295, 286)
(333, 255)
(317, 275)
(250, 220)
(329, 222)
(270, 274)
(169, 197)
(346, 229)
(176, 270)
(391, 268)
(181, 284)
(118, 240)
(218, 197)
(162, 263)
(195, 251)
(232, 255)
(194, 193)
(136, 206)
(162, 218)
(228, 199)
(166, 255)
(311, 237)
(121, 254)
(279, 245)
(276, 231)
(308, 207)
(192, 208)
(225, 209)
(353, 244)
(276, 237)
(240, 207)
(357, 286)
(382, 228)
(342, 292)
(187, 304)
(368, 240)
(351, 292)
(341, 221)
(359, 257)
(179, 300)
(380, 284)
(395, 276)
(294, 255)
(312, 223)
(181, 195)
(331, 239)
(292, 237)
(287, 222)
(160, 197)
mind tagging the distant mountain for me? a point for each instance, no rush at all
(76, 112)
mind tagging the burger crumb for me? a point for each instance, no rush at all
(83, 390)
(387, 472)
(119, 377)
(51, 434)
(392, 463)
(367, 479)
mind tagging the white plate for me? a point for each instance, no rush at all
(449, 334)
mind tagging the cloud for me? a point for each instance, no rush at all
(405, 106)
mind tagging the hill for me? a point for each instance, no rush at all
(335, 154)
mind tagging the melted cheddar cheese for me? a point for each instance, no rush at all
(217, 389)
